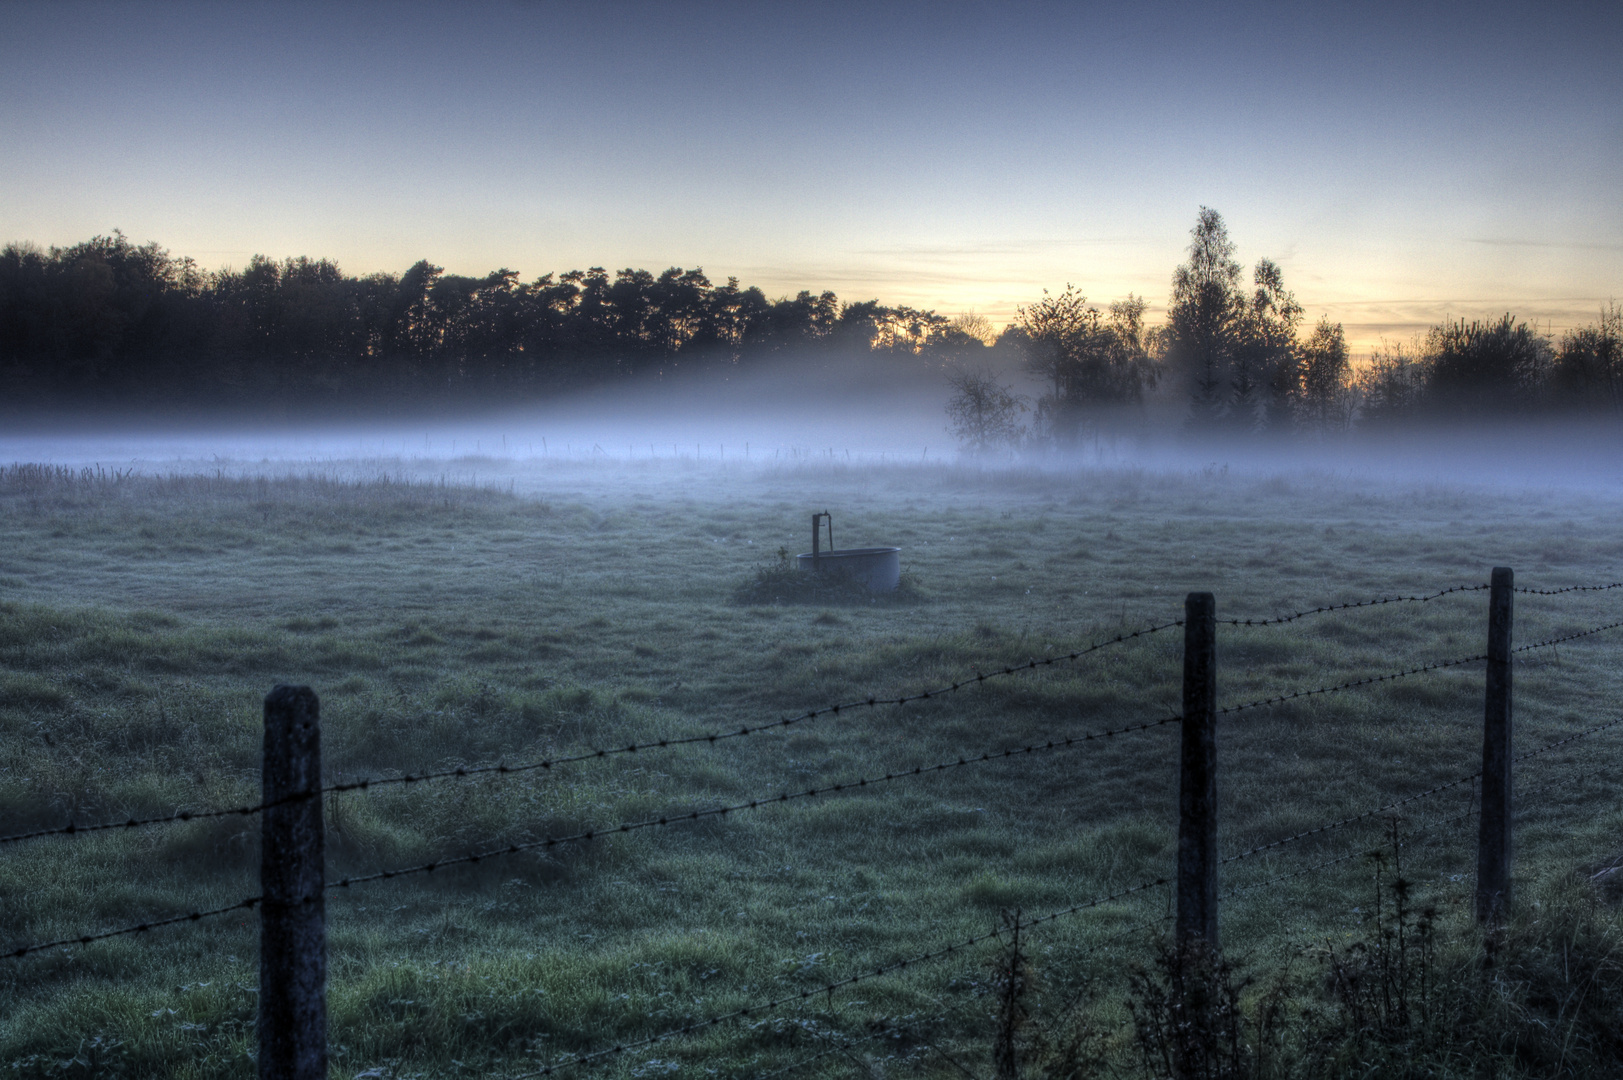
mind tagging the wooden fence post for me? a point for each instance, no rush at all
(292, 875)
(1197, 788)
(1493, 841)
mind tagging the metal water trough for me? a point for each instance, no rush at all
(878, 568)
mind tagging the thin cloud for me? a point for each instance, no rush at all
(1511, 303)
(1579, 245)
(891, 279)
(1005, 247)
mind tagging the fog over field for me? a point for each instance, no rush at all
(851, 411)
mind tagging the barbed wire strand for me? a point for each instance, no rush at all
(1416, 831)
(138, 928)
(1350, 820)
(1566, 637)
(1237, 890)
(933, 1048)
(871, 702)
(1521, 804)
(1584, 734)
(1110, 938)
(72, 829)
(1371, 680)
(850, 1043)
(504, 769)
(1406, 599)
(1571, 588)
(949, 1059)
(828, 988)
(1349, 606)
(1435, 823)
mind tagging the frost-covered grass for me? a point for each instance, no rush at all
(142, 620)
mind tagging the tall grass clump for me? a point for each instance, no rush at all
(1416, 992)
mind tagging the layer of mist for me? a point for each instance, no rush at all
(854, 414)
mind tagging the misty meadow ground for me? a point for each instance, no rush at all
(142, 621)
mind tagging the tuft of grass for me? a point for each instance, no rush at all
(30, 692)
(990, 890)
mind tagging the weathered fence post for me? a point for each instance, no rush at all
(1493, 842)
(1197, 788)
(292, 875)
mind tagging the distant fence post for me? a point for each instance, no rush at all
(292, 875)
(1197, 788)
(1493, 842)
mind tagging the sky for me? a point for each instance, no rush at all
(1403, 163)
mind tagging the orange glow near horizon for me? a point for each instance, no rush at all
(1390, 176)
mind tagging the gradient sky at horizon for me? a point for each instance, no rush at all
(1402, 162)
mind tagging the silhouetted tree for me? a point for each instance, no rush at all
(959, 343)
(905, 331)
(1051, 331)
(1095, 367)
(739, 318)
(1392, 387)
(974, 326)
(983, 414)
(803, 320)
(1265, 366)
(1589, 364)
(1123, 368)
(1324, 387)
(1200, 329)
(413, 330)
(79, 319)
(1476, 368)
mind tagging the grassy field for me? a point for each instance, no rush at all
(574, 606)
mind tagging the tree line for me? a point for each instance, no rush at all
(1238, 356)
(110, 321)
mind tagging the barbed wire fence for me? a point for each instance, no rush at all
(291, 997)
